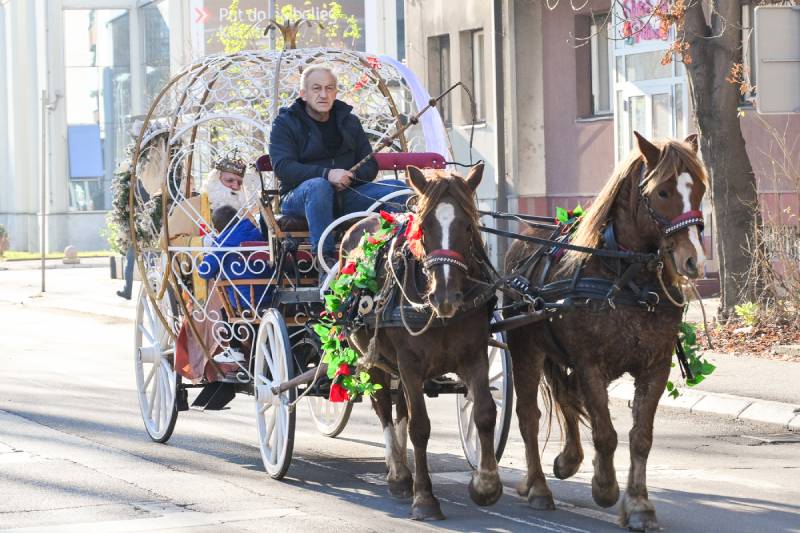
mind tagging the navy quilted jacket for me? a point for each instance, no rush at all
(298, 152)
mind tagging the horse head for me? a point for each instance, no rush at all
(448, 218)
(671, 183)
(653, 201)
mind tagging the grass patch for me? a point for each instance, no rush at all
(12, 255)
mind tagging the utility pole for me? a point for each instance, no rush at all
(44, 184)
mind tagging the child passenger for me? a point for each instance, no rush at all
(237, 265)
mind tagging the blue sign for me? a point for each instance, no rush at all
(85, 151)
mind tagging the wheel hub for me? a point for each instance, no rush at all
(150, 354)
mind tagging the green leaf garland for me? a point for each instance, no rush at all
(354, 276)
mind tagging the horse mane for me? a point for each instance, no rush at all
(676, 157)
(443, 182)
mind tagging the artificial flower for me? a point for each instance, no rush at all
(344, 370)
(349, 268)
(338, 394)
(388, 217)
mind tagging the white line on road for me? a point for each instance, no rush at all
(183, 518)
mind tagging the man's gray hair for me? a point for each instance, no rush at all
(317, 68)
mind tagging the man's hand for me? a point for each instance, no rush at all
(340, 178)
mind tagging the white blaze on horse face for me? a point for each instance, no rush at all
(445, 214)
(685, 183)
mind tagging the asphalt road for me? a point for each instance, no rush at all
(74, 457)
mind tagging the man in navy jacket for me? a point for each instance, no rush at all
(312, 144)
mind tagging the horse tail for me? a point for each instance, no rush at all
(561, 395)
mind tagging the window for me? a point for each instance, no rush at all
(601, 71)
(155, 41)
(473, 72)
(97, 79)
(439, 73)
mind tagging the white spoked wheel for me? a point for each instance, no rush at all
(330, 418)
(156, 380)
(501, 387)
(275, 421)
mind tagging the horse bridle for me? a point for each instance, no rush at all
(445, 257)
(693, 217)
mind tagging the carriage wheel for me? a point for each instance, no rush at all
(330, 418)
(275, 421)
(500, 384)
(156, 380)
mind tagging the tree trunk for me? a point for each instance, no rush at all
(714, 49)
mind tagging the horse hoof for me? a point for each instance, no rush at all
(643, 521)
(401, 488)
(563, 469)
(605, 496)
(427, 511)
(542, 503)
(487, 490)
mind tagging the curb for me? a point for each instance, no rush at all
(728, 406)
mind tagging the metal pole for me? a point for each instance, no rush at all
(44, 183)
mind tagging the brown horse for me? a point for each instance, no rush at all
(448, 219)
(652, 204)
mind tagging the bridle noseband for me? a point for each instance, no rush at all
(445, 257)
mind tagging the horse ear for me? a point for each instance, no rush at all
(474, 177)
(691, 140)
(417, 177)
(650, 152)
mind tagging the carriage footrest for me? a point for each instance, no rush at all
(215, 396)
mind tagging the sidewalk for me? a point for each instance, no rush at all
(747, 388)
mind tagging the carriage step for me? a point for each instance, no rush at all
(297, 296)
(442, 385)
(215, 396)
(182, 400)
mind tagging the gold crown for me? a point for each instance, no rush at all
(231, 163)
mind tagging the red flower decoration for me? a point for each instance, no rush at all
(349, 268)
(413, 231)
(204, 230)
(338, 394)
(387, 217)
(344, 370)
(373, 240)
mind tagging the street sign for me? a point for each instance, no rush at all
(778, 59)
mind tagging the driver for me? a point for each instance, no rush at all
(312, 145)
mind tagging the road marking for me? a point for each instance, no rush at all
(177, 519)
(530, 521)
(464, 477)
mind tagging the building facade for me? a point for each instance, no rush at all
(565, 89)
(75, 74)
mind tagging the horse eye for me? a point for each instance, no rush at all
(663, 194)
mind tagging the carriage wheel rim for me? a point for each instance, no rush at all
(273, 419)
(156, 380)
(499, 384)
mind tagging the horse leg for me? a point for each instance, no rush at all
(485, 487)
(637, 511)
(566, 397)
(425, 505)
(401, 425)
(399, 475)
(605, 489)
(527, 363)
